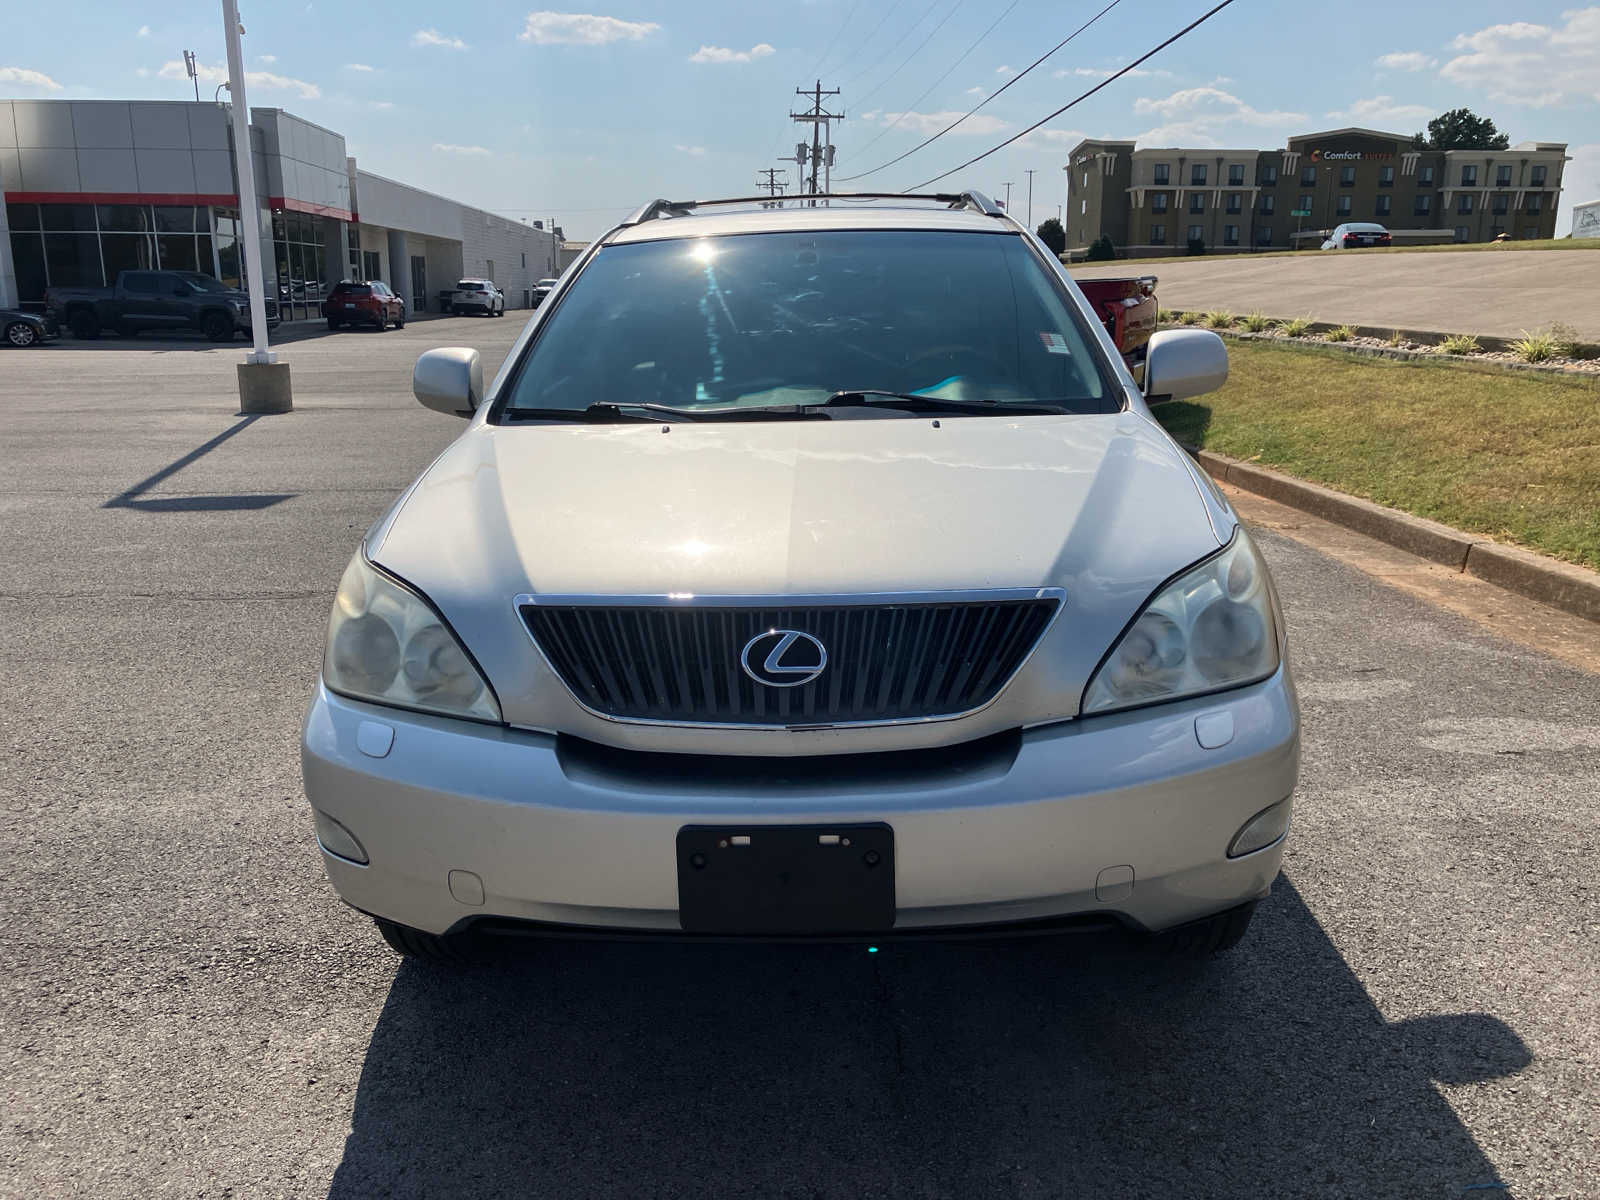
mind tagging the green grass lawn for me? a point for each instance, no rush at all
(1451, 248)
(1513, 456)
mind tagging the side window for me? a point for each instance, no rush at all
(141, 283)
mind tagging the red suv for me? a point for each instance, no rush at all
(365, 302)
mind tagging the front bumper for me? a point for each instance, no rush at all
(1124, 816)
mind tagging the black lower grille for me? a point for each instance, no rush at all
(885, 662)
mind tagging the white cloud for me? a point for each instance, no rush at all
(1407, 60)
(143, 72)
(1382, 110)
(1002, 69)
(432, 37)
(982, 123)
(720, 54)
(1053, 138)
(1207, 116)
(144, 31)
(1106, 73)
(692, 151)
(267, 58)
(358, 67)
(582, 29)
(27, 78)
(1535, 65)
(449, 148)
(977, 91)
(265, 80)
(381, 105)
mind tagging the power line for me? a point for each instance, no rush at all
(1014, 79)
(910, 108)
(920, 46)
(864, 42)
(928, 12)
(1043, 120)
(837, 34)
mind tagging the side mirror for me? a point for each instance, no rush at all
(180, 288)
(1184, 362)
(449, 381)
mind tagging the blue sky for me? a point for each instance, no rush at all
(580, 115)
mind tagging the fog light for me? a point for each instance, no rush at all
(1261, 830)
(339, 841)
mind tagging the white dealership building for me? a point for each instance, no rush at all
(93, 187)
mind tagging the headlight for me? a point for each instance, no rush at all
(1209, 629)
(386, 645)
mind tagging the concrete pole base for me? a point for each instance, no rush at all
(264, 388)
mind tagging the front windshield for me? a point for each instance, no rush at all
(203, 282)
(791, 318)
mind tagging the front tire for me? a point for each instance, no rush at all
(383, 321)
(84, 325)
(217, 327)
(21, 334)
(438, 949)
(332, 324)
(1210, 936)
(400, 321)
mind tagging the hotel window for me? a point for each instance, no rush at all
(1343, 206)
(1536, 176)
(1269, 176)
(1382, 207)
(1530, 232)
(1263, 235)
(1423, 207)
(1385, 176)
(1464, 203)
(1425, 177)
(1347, 177)
(1230, 235)
(1469, 176)
(1308, 177)
(1501, 204)
(1535, 205)
(1502, 176)
(1462, 233)
(1197, 233)
(1158, 235)
(1158, 202)
(1163, 174)
(1235, 202)
(1197, 202)
(1197, 175)
(1305, 204)
(1269, 205)
(1235, 174)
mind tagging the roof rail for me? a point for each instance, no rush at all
(974, 200)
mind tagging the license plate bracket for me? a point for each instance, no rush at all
(786, 879)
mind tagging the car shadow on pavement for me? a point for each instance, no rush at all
(1069, 1068)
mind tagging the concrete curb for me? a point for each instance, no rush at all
(1561, 585)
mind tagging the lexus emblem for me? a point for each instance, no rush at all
(783, 658)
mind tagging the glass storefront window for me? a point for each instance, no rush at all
(67, 218)
(27, 254)
(174, 220)
(124, 218)
(126, 252)
(22, 216)
(177, 253)
(73, 259)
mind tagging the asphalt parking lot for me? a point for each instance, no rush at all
(189, 1011)
(1501, 293)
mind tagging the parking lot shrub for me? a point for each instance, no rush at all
(1296, 327)
(1460, 343)
(1220, 319)
(1342, 333)
(1256, 322)
(1189, 318)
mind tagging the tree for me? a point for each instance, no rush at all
(1461, 129)
(1052, 235)
(1102, 249)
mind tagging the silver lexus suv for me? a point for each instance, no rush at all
(814, 571)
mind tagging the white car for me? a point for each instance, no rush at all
(808, 572)
(542, 289)
(479, 296)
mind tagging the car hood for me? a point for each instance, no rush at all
(1103, 507)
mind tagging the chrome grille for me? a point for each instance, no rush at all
(679, 662)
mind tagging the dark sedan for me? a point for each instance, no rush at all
(23, 329)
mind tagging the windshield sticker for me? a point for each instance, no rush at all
(1054, 343)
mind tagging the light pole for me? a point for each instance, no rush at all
(1030, 197)
(1007, 186)
(263, 380)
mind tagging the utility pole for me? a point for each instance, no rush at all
(773, 186)
(1030, 197)
(1007, 186)
(817, 117)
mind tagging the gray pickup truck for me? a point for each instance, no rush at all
(162, 300)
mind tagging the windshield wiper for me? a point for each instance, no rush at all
(916, 402)
(595, 414)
